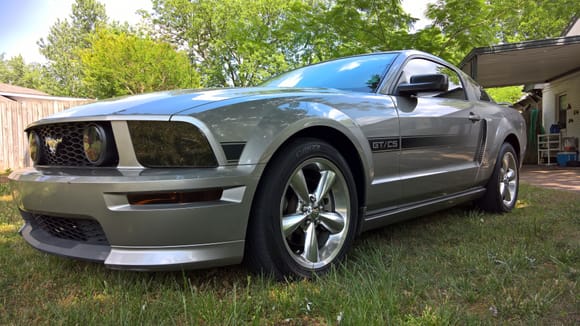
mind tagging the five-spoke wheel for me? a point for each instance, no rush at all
(502, 188)
(304, 217)
(508, 179)
(314, 211)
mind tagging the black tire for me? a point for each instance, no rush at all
(503, 186)
(318, 231)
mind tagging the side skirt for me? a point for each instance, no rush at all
(379, 218)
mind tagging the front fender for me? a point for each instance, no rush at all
(264, 125)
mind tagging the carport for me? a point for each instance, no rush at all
(530, 62)
(555, 63)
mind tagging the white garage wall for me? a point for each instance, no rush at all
(571, 86)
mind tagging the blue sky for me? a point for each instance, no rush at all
(24, 22)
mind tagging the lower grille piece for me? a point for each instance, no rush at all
(82, 230)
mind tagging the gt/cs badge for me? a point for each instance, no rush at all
(384, 144)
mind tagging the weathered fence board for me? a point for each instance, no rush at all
(14, 117)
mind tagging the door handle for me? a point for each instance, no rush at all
(474, 117)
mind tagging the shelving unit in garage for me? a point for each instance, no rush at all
(548, 147)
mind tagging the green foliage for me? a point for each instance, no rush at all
(242, 43)
(510, 94)
(232, 42)
(468, 24)
(360, 26)
(61, 47)
(463, 25)
(521, 20)
(15, 71)
(120, 63)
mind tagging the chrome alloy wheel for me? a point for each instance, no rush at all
(315, 213)
(508, 179)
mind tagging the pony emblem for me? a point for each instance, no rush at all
(52, 144)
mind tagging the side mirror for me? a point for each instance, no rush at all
(424, 83)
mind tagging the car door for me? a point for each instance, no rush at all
(439, 136)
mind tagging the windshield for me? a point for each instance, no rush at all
(357, 74)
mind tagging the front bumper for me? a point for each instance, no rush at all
(167, 236)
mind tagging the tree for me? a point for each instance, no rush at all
(15, 71)
(521, 20)
(231, 42)
(121, 63)
(64, 40)
(509, 94)
(240, 43)
(464, 25)
(361, 26)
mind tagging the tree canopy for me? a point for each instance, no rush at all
(15, 71)
(464, 25)
(121, 63)
(64, 40)
(217, 43)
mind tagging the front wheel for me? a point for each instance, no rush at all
(503, 186)
(304, 216)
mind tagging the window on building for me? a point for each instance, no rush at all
(562, 106)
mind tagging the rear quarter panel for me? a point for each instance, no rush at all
(502, 122)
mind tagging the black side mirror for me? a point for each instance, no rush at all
(424, 83)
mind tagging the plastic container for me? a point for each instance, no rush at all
(563, 157)
(570, 144)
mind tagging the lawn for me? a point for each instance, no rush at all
(456, 267)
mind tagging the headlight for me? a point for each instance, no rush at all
(170, 144)
(96, 144)
(34, 147)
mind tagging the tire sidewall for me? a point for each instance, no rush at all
(275, 182)
(500, 205)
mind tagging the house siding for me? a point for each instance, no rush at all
(570, 85)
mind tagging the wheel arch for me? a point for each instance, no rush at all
(513, 140)
(346, 148)
(343, 145)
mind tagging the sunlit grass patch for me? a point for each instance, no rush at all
(8, 228)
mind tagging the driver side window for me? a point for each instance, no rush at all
(455, 89)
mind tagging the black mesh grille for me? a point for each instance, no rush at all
(82, 230)
(69, 151)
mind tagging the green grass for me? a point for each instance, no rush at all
(457, 267)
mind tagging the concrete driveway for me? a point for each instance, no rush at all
(551, 177)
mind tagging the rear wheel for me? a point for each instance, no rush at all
(304, 216)
(503, 186)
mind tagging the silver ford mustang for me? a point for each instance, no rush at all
(281, 176)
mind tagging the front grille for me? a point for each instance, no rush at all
(69, 152)
(81, 230)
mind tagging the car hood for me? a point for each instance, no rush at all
(170, 102)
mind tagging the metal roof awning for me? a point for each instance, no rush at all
(523, 63)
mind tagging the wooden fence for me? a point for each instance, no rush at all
(14, 117)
